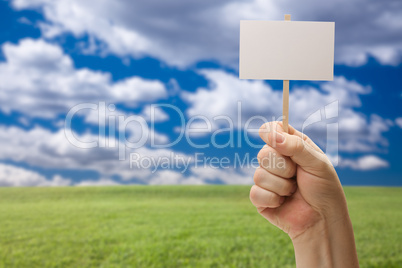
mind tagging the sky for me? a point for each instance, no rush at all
(147, 92)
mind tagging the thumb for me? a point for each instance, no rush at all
(301, 150)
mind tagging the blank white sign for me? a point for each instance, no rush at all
(286, 50)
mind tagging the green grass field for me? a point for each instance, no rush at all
(173, 226)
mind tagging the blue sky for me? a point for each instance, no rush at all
(155, 55)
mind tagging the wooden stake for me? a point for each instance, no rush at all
(285, 108)
(285, 118)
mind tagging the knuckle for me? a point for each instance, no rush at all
(281, 165)
(258, 176)
(263, 155)
(268, 127)
(253, 193)
(299, 145)
(268, 198)
(305, 137)
(280, 186)
(287, 173)
(283, 188)
(288, 188)
(289, 170)
(271, 198)
(264, 129)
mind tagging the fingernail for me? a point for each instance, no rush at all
(281, 200)
(279, 138)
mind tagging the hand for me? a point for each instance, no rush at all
(296, 185)
(297, 189)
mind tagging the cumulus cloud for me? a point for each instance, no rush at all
(155, 114)
(39, 80)
(16, 176)
(368, 162)
(398, 122)
(99, 182)
(224, 175)
(196, 176)
(111, 120)
(242, 100)
(204, 30)
(42, 148)
(173, 177)
(205, 175)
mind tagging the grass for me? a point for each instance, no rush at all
(173, 226)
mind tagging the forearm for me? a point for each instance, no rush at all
(327, 245)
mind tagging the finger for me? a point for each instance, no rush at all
(274, 162)
(293, 131)
(278, 127)
(264, 198)
(274, 183)
(300, 151)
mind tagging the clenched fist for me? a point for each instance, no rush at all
(297, 189)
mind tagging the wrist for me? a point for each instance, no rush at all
(312, 247)
(326, 244)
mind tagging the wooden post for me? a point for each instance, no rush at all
(285, 118)
(285, 107)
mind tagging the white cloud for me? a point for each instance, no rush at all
(227, 91)
(112, 120)
(356, 131)
(224, 175)
(368, 162)
(42, 148)
(184, 32)
(154, 114)
(58, 180)
(398, 122)
(166, 177)
(132, 90)
(204, 175)
(16, 176)
(24, 20)
(39, 80)
(99, 182)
